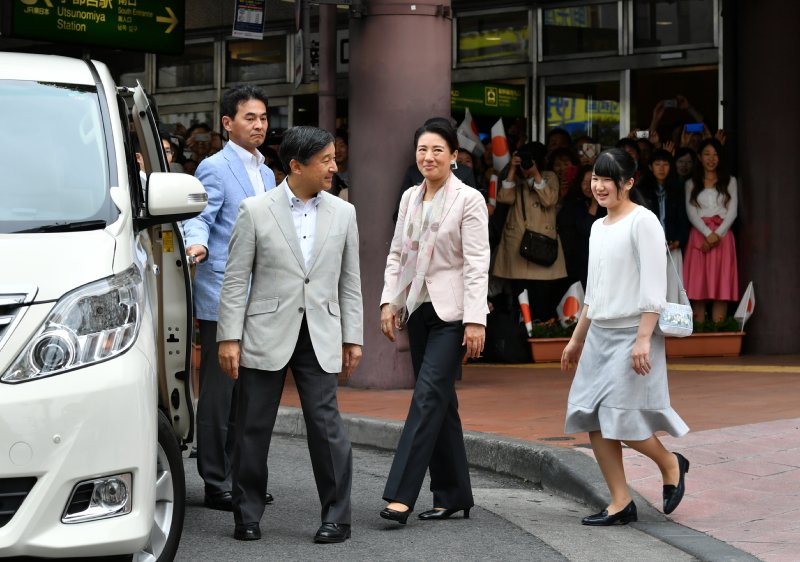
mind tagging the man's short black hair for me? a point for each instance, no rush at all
(301, 143)
(239, 94)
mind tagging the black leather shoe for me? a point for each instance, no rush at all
(436, 514)
(674, 494)
(603, 519)
(332, 532)
(247, 532)
(394, 515)
(223, 501)
(268, 499)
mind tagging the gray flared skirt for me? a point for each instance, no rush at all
(608, 396)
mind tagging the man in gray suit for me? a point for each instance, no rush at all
(291, 298)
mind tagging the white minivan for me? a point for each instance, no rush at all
(95, 317)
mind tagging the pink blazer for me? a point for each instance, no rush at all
(458, 275)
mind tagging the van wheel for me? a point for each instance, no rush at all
(170, 498)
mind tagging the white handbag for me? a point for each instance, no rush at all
(677, 318)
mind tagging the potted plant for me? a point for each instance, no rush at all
(548, 339)
(709, 339)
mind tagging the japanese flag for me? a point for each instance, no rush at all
(525, 307)
(500, 154)
(569, 308)
(746, 305)
(493, 191)
(468, 137)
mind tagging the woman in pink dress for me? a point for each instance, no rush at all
(709, 268)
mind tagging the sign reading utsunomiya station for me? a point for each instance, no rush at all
(155, 26)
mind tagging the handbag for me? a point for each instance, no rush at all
(535, 247)
(677, 318)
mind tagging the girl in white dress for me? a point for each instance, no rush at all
(620, 391)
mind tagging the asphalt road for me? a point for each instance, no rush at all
(512, 520)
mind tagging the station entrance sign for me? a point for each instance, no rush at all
(154, 26)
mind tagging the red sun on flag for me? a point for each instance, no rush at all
(571, 307)
(749, 306)
(499, 146)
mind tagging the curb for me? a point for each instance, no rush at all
(563, 471)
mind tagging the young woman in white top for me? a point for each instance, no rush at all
(710, 271)
(620, 392)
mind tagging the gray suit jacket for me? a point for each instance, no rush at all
(264, 245)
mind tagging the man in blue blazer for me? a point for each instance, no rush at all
(229, 176)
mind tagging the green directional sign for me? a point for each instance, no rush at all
(155, 26)
(486, 98)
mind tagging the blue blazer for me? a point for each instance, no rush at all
(226, 181)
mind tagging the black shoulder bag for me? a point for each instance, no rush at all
(537, 248)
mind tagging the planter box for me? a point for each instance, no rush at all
(718, 344)
(547, 350)
(715, 344)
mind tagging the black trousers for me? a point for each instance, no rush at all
(432, 437)
(544, 295)
(215, 416)
(258, 394)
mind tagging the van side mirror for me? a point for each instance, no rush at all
(177, 196)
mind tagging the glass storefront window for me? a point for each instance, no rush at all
(194, 68)
(250, 61)
(488, 38)
(591, 108)
(667, 23)
(580, 30)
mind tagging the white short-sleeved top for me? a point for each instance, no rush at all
(618, 290)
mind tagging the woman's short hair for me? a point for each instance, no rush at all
(301, 143)
(439, 127)
(616, 164)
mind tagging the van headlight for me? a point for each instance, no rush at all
(88, 325)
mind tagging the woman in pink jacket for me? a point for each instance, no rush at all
(435, 285)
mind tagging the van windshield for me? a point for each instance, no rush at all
(53, 158)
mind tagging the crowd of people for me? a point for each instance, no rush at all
(684, 181)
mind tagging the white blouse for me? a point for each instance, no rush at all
(627, 270)
(712, 204)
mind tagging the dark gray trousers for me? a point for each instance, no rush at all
(258, 394)
(214, 415)
(432, 437)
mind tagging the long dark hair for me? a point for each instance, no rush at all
(618, 165)
(723, 174)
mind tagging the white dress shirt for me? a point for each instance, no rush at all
(305, 220)
(252, 163)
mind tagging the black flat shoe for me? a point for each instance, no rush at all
(394, 515)
(674, 494)
(222, 501)
(332, 532)
(268, 499)
(603, 519)
(437, 514)
(247, 532)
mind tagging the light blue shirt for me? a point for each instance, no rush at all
(305, 221)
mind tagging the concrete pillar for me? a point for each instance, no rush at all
(767, 117)
(400, 58)
(327, 67)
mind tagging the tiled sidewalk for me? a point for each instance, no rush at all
(743, 486)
